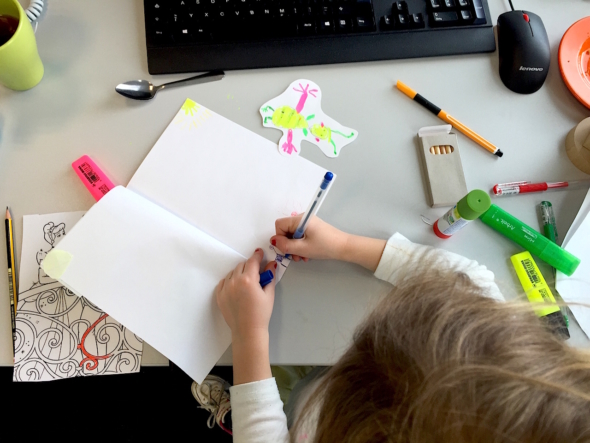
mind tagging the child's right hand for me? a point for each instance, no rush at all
(321, 240)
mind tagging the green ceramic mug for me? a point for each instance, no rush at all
(20, 65)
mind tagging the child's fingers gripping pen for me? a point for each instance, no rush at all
(315, 204)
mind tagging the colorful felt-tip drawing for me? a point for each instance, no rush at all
(298, 113)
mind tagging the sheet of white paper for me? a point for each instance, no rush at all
(224, 179)
(60, 335)
(583, 214)
(576, 289)
(165, 272)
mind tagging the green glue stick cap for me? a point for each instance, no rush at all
(474, 204)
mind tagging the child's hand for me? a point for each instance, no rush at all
(321, 240)
(245, 305)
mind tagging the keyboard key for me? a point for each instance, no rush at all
(175, 18)
(180, 5)
(159, 35)
(400, 7)
(480, 16)
(466, 16)
(402, 21)
(449, 4)
(416, 21)
(463, 3)
(252, 14)
(201, 33)
(387, 23)
(343, 24)
(344, 10)
(364, 24)
(326, 10)
(205, 16)
(445, 18)
(183, 36)
(435, 5)
(364, 8)
(326, 25)
(266, 13)
(157, 7)
(287, 27)
(307, 26)
(158, 20)
(236, 13)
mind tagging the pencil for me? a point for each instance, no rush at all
(450, 120)
(12, 288)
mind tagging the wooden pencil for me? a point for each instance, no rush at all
(12, 288)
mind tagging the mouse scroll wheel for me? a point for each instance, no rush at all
(526, 18)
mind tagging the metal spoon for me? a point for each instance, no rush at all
(144, 90)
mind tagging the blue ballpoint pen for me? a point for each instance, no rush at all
(315, 204)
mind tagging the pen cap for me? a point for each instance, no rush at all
(530, 239)
(327, 180)
(559, 258)
(474, 204)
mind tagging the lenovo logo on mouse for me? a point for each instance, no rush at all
(525, 68)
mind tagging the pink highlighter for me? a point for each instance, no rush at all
(93, 178)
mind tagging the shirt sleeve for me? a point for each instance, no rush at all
(257, 413)
(400, 254)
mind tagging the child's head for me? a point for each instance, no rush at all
(437, 362)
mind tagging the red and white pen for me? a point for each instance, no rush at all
(514, 188)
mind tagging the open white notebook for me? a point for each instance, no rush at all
(151, 254)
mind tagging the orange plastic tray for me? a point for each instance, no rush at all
(574, 60)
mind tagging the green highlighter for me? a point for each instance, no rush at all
(530, 239)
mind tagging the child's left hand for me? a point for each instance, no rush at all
(245, 305)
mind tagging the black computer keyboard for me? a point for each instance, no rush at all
(201, 35)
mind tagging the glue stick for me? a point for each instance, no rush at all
(467, 209)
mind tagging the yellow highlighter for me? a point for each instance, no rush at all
(537, 291)
(450, 120)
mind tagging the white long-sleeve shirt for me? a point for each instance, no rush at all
(257, 410)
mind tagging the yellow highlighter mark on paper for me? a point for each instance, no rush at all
(56, 263)
(191, 115)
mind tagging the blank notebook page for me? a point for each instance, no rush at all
(224, 179)
(155, 274)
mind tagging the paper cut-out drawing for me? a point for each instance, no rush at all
(58, 334)
(298, 113)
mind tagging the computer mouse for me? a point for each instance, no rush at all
(524, 51)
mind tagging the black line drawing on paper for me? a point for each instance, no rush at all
(52, 233)
(60, 335)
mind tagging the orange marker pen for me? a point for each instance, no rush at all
(449, 119)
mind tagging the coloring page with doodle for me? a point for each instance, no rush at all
(58, 334)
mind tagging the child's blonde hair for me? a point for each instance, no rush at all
(437, 362)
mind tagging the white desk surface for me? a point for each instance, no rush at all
(89, 47)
